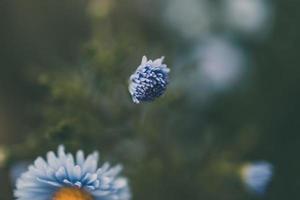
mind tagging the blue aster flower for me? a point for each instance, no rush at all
(257, 176)
(63, 177)
(149, 81)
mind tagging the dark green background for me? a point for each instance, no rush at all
(63, 80)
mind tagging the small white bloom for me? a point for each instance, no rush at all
(248, 16)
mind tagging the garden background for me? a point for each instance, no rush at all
(233, 97)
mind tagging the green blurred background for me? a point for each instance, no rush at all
(234, 93)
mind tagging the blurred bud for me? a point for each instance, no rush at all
(257, 176)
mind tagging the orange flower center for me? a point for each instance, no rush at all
(71, 193)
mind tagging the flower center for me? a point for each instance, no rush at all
(71, 193)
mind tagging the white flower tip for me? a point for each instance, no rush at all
(158, 62)
(135, 100)
(95, 155)
(121, 182)
(118, 168)
(166, 69)
(39, 162)
(80, 154)
(144, 60)
(61, 149)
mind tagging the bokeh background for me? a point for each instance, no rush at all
(233, 96)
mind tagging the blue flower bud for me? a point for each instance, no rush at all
(149, 81)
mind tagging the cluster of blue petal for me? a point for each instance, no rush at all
(257, 176)
(149, 81)
(45, 177)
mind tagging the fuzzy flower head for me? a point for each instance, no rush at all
(63, 177)
(149, 81)
(257, 176)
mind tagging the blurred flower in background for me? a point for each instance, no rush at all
(190, 18)
(257, 176)
(248, 17)
(220, 63)
(63, 177)
(217, 63)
